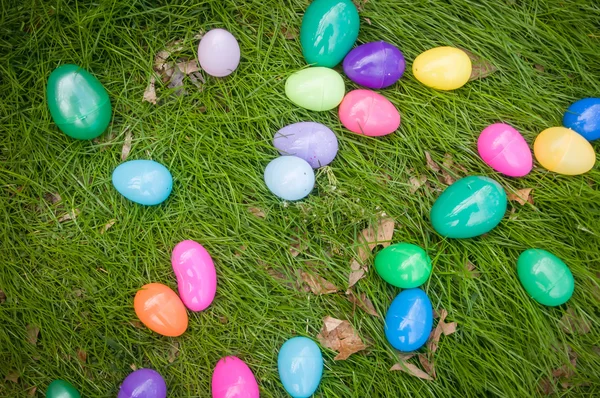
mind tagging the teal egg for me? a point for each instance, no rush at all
(470, 207)
(143, 181)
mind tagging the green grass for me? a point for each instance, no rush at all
(77, 285)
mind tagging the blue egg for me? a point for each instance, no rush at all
(583, 117)
(409, 320)
(300, 365)
(143, 181)
(290, 177)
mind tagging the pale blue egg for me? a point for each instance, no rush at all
(143, 181)
(300, 365)
(290, 177)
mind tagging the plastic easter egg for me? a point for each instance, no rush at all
(143, 181)
(443, 68)
(369, 113)
(403, 265)
(470, 207)
(300, 365)
(290, 177)
(328, 31)
(545, 277)
(143, 383)
(161, 310)
(196, 275)
(583, 117)
(409, 320)
(375, 65)
(563, 151)
(61, 389)
(232, 378)
(310, 141)
(218, 53)
(505, 150)
(316, 89)
(78, 103)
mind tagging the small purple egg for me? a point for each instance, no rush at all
(375, 65)
(310, 141)
(143, 383)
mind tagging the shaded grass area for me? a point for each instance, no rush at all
(77, 284)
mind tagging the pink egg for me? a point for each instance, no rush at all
(196, 275)
(369, 113)
(218, 53)
(505, 150)
(232, 378)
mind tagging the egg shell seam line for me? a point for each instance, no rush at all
(81, 117)
(567, 146)
(504, 149)
(558, 280)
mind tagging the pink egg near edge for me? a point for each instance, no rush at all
(196, 275)
(219, 53)
(232, 378)
(369, 113)
(505, 150)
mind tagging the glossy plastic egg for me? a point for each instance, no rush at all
(300, 365)
(505, 150)
(443, 68)
(61, 389)
(369, 113)
(232, 378)
(78, 103)
(143, 181)
(310, 141)
(409, 320)
(218, 53)
(329, 30)
(563, 151)
(161, 310)
(375, 65)
(403, 265)
(583, 117)
(470, 207)
(143, 383)
(316, 89)
(545, 277)
(290, 177)
(196, 275)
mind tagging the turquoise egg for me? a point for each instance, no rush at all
(143, 181)
(300, 365)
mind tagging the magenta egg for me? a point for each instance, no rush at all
(375, 65)
(505, 150)
(369, 113)
(196, 274)
(310, 141)
(232, 378)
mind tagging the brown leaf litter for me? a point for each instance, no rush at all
(560, 376)
(379, 234)
(471, 270)
(32, 334)
(572, 323)
(108, 225)
(126, 144)
(410, 368)
(340, 336)
(257, 212)
(480, 68)
(173, 352)
(357, 272)
(82, 355)
(443, 174)
(317, 284)
(521, 196)
(363, 302)
(69, 216)
(13, 376)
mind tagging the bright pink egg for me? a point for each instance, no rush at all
(505, 150)
(369, 113)
(196, 275)
(232, 378)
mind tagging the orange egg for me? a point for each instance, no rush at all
(159, 308)
(563, 151)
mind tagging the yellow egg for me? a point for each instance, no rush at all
(563, 151)
(443, 68)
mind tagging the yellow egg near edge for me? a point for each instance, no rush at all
(563, 151)
(443, 68)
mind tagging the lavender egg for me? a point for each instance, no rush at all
(310, 141)
(375, 65)
(143, 383)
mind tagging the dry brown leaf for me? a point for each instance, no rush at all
(289, 33)
(137, 324)
(442, 327)
(257, 212)
(447, 178)
(126, 144)
(177, 82)
(107, 226)
(571, 323)
(416, 183)
(427, 365)
(363, 302)
(188, 67)
(448, 328)
(431, 164)
(69, 216)
(522, 196)
(223, 320)
(379, 234)
(297, 248)
(32, 334)
(32, 391)
(133, 367)
(411, 369)
(480, 67)
(2, 297)
(367, 20)
(539, 68)
(173, 352)
(546, 387)
(82, 355)
(13, 376)
(150, 91)
(360, 4)
(318, 285)
(357, 272)
(472, 270)
(197, 79)
(52, 197)
(340, 336)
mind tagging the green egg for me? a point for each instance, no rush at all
(545, 277)
(403, 265)
(61, 389)
(317, 89)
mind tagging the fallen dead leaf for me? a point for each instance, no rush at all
(289, 33)
(357, 272)
(378, 234)
(360, 4)
(177, 82)
(545, 386)
(133, 367)
(137, 324)
(480, 67)
(31, 391)
(411, 369)
(82, 355)
(173, 352)
(52, 197)
(150, 91)
(69, 216)
(223, 320)
(448, 328)
(472, 270)
(367, 20)
(442, 327)
(539, 68)
(32, 334)
(340, 336)
(571, 323)
(427, 365)
(13, 376)
(318, 285)
(257, 212)
(297, 248)
(416, 183)
(431, 164)
(522, 196)
(197, 79)
(363, 302)
(108, 225)
(188, 67)
(2, 297)
(126, 144)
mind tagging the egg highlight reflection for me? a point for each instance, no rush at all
(143, 181)
(289, 177)
(310, 141)
(563, 151)
(161, 310)
(196, 275)
(232, 378)
(143, 383)
(300, 365)
(218, 53)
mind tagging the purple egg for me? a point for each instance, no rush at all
(375, 65)
(310, 141)
(143, 383)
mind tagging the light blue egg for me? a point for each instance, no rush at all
(290, 177)
(300, 365)
(143, 181)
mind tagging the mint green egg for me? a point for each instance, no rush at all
(317, 89)
(61, 389)
(470, 207)
(403, 265)
(545, 277)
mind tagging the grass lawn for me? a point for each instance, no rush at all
(76, 282)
